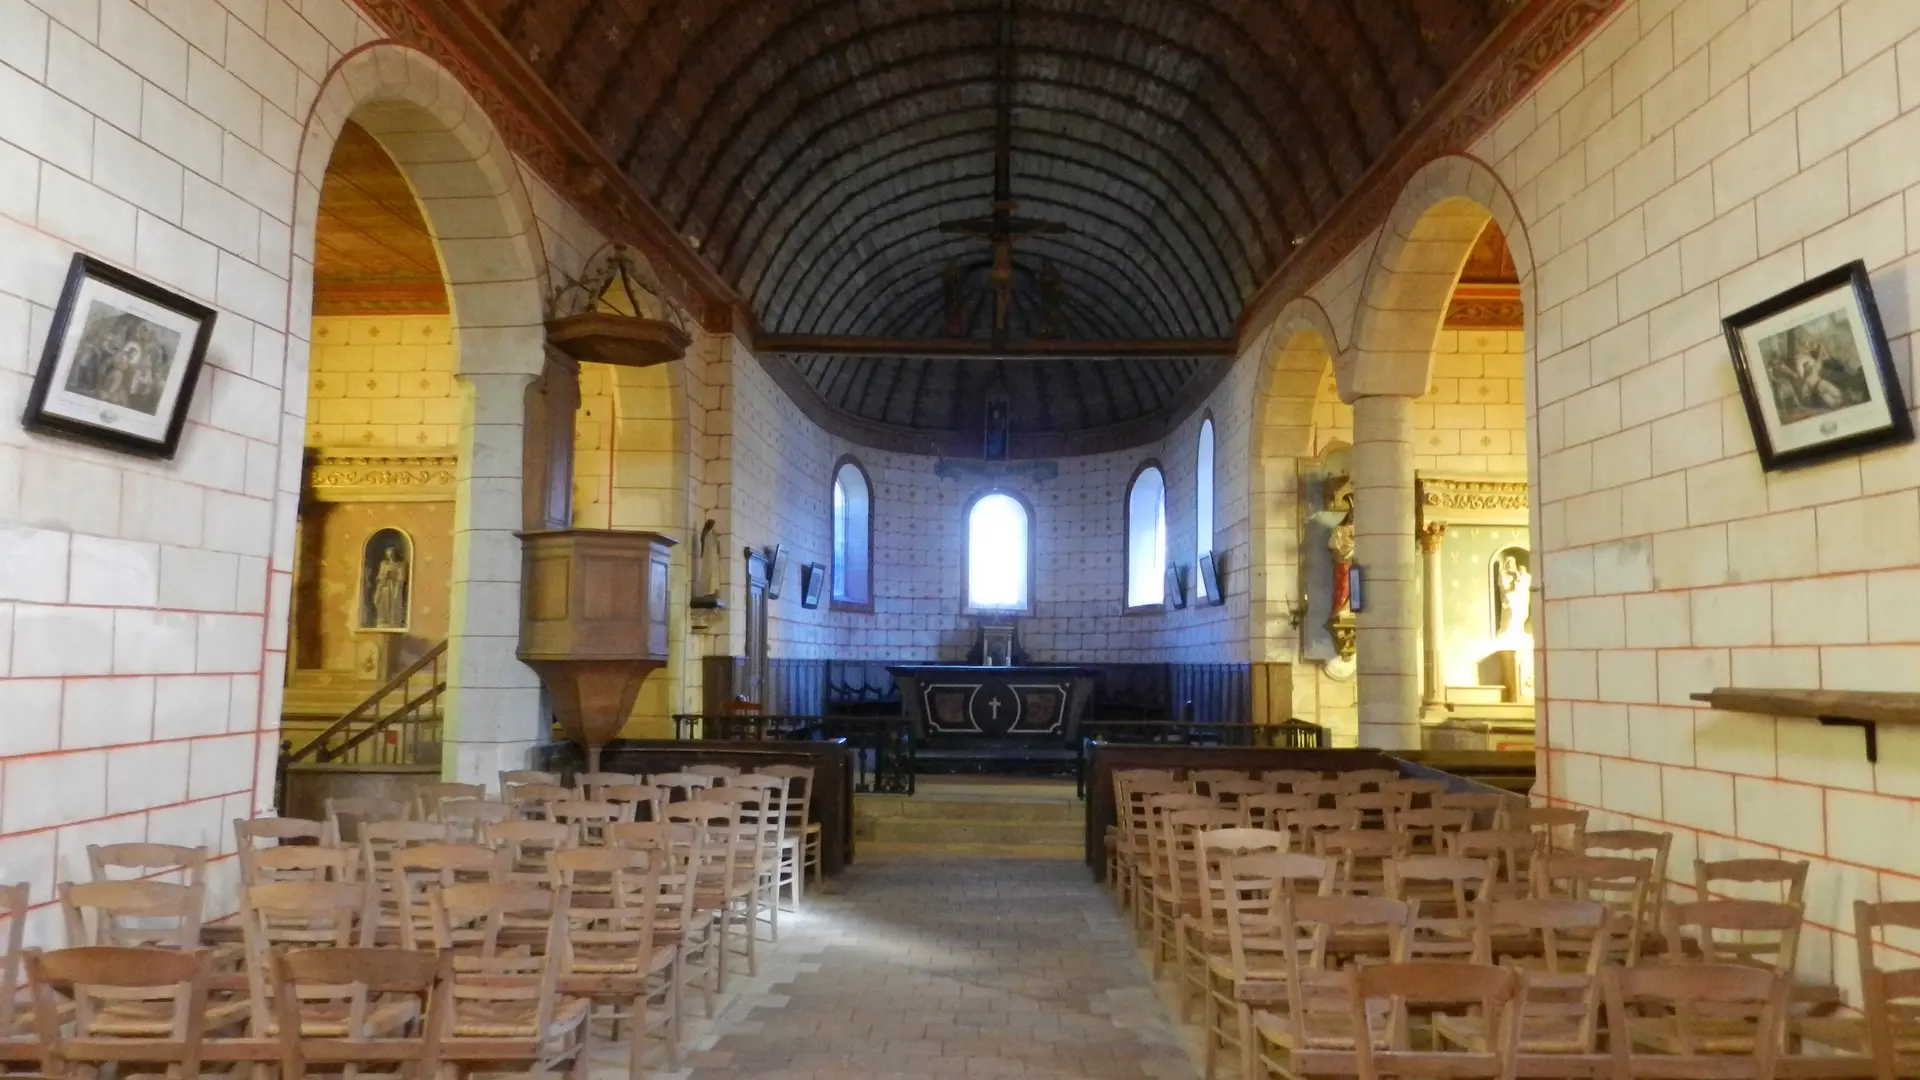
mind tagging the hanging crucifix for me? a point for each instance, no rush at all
(1003, 226)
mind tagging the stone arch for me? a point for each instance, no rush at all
(1416, 262)
(1295, 354)
(477, 208)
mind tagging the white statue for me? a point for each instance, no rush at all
(1514, 583)
(706, 564)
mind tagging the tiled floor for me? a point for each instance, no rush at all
(921, 966)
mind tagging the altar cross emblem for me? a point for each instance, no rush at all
(993, 708)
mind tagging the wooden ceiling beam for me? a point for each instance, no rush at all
(951, 349)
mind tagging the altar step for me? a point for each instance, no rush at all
(973, 817)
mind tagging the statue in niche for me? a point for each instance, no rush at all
(706, 566)
(1340, 545)
(386, 572)
(999, 420)
(1512, 582)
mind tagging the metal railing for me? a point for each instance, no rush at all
(883, 746)
(392, 725)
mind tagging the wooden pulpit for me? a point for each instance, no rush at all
(593, 624)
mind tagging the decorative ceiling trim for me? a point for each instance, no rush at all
(1523, 52)
(543, 134)
(356, 476)
(1485, 307)
(969, 349)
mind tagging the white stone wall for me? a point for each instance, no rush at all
(1691, 158)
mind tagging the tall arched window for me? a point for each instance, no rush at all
(1147, 538)
(852, 537)
(1203, 502)
(999, 558)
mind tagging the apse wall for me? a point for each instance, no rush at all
(782, 491)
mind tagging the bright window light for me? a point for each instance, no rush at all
(998, 535)
(1147, 539)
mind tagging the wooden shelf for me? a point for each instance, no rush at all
(1864, 709)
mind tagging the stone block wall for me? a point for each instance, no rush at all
(382, 382)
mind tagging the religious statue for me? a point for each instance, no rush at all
(994, 445)
(1512, 582)
(384, 579)
(1340, 545)
(706, 565)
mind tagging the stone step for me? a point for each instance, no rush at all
(962, 831)
(874, 849)
(922, 807)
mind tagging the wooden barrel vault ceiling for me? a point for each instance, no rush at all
(1139, 170)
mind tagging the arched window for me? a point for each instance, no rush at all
(999, 553)
(1147, 538)
(852, 537)
(1203, 502)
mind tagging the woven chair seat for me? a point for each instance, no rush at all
(1538, 1034)
(154, 1019)
(658, 960)
(328, 1020)
(514, 1019)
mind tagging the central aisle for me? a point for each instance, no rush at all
(947, 967)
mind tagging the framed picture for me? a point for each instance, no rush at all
(813, 581)
(1815, 371)
(777, 571)
(121, 361)
(1210, 574)
(1176, 588)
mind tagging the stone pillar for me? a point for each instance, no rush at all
(1387, 647)
(1432, 626)
(493, 711)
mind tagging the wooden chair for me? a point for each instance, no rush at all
(1327, 788)
(300, 862)
(1154, 889)
(127, 1005)
(681, 786)
(1262, 948)
(1486, 807)
(1550, 943)
(1180, 892)
(1888, 1031)
(1318, 1015)
(502, 1003)
(1304, 824)
(1670, 1020)
(379, 841)
(1758, 933)
(1133, 855)
(800, 841)
(1428, 829)
(419, 872)
(1557, 828)
(428, 797)
(467, 819)
(615, 943)
(1779, 881)
(1285, 780)
(1375, 807)
(511, 777)
(587, 785)
(266, 833)
(770, 815)
(1444, 892)
(530, 801)
(311, 915)
(713, 864)
(19, 1043)
(1486, 996)
(676, 849)
(641, 802)
(363, 988)
(1269, 811)
(1623, 885)
(588, 820)
(1422, 791)
(147, 861)
(754, 814)
(1360, 857)
(156, 914)
(1201, 781)
(1229, 793)
(1510, 850)
(1204, 938)
(1639, 844)
(527, 848)
(1369, 779)
(345, 816)
(719, 773)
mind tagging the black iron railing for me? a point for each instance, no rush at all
(883, 746)
(1289, 734)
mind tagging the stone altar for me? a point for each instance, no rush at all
(994, 714)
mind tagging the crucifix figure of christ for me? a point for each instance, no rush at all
(1000, 231)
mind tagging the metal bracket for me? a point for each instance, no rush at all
(1867, 728)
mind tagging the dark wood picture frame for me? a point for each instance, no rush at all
(1210, 573)
(1839, 390)
(813, 580)
(83, 270)
(1176, 589)
(776, 571)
